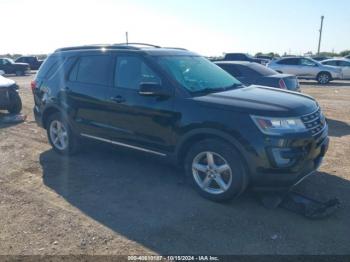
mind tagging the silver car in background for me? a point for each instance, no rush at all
(306, 68)
(344, 64)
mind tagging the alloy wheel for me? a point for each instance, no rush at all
(212, 172)
(59, 135)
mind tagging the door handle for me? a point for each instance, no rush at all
(118, 99)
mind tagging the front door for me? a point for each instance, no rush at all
(143, 121)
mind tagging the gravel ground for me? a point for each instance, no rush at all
(111, 201)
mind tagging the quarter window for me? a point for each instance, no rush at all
(131, 71)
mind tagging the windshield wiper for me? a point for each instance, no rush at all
(209, 90)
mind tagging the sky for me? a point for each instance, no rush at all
(208, 27)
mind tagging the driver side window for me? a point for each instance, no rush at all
(131, 71)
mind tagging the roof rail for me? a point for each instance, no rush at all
(177, 48)
(141, 44)
(133, 46)
(84, 47)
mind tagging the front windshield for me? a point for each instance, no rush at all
(197, 74)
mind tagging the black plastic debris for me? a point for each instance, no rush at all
(9, 119)
(300, 204)
(309, 207)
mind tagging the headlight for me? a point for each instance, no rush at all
(278, 126)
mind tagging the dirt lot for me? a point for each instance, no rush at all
(110, 201)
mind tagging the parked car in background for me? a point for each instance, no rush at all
(250, 73)
(306, 68)
(347, 57)
(266, 57)
(33, 61)
(244, 57)
(10, 67)
(178, 105)
(9, 97)
(320, 58)
(344, 64)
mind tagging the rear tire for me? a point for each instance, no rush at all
(324, 78)
(216, 170)
(61, 136)
(15, 102)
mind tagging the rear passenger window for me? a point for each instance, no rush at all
(94, 70)
(232, 70)
(289, 61)
(131, 71)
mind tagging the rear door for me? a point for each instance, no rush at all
(308, 68)
(85, 93)
(345, 65)
(289, 66)
(142, 121)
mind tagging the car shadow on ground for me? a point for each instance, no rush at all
(330, 84)
(147, 201)
(338, 128)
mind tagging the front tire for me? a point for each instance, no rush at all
(15, 103)
(216, 169)
(323, 78)
(60, 135)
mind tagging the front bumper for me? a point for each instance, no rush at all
(305, 155)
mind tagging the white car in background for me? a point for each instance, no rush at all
(306, 68)
(9, 97)
(344, 64)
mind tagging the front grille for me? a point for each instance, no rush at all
(314, 122)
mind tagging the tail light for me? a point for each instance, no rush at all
(33, 85)
(282, 84)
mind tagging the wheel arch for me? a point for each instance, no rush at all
(47, 113)
(324, 72)
(197, 135)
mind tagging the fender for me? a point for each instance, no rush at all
(211, 132)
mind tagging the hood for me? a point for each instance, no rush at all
(5, 82)
(281, 75)
(261, 100)
(21, 64)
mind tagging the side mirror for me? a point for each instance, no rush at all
(2, 73)
(152, 89)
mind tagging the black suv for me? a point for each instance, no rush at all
(176, 104)
(10, 67)
(33, 61)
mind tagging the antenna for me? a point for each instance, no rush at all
(127, 38)
(319, 40)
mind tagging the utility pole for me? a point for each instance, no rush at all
(319, 40)
(127, 37)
